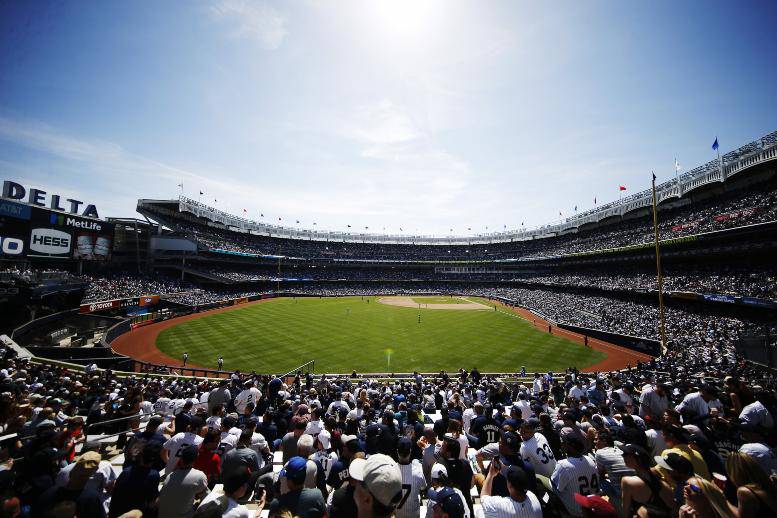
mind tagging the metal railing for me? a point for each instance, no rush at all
(300, 368)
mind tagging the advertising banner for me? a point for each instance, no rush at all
(90, 239)
(241, 300)
(718, 297)
(99, 306)
(763, 303)
(148, 300)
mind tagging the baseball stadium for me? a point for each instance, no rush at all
(178, 345)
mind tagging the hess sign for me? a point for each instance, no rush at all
(15, 191)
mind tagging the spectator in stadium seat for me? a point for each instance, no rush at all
(678, 441)
(236, 488)
(756, 491)
(379, 488)
(755, 446)
(575, 474)
(208, 460)
(644, 489)
(300, 501)
(137, 487)
(610, 465)
(182, 486)
(521, 501)
(171, 448)
(289, 442)
(459, 471)
(241, 456)
(654, 402)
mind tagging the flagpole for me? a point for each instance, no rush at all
(658, 271)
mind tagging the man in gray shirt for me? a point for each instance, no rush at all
(242, 455)
(609, 461)
(182, 487)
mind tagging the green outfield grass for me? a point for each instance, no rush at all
(439, 300)
(342, 334)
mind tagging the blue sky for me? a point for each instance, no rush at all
(428, 115)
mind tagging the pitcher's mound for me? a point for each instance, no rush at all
(407, 302)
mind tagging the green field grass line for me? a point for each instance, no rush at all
(348, 333)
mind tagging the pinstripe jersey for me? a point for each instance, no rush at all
(506, 507)
(536, 451)
(413, 482)
(575, 475)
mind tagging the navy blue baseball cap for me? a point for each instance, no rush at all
(404, 446)
(511, 440)
(449, 502)
(295, 469)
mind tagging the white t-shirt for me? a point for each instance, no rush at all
(506, 507)
(536, 451)
(656, 442)
(575, 475)
(176, 444)
(757, 414)
(525, 408)
(226, 443)
(413, 482)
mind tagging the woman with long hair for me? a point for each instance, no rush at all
(704, 499)
(755, 490)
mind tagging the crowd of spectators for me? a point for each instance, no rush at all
(683, 435)
(685, 326)
(752, 281)
(730, 210)
(758, 282)
(125, 285)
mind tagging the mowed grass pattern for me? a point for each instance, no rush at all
(342, 334)
(439, 300)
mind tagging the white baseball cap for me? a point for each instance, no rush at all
(381, 476)
(437, 470)
(325, 438)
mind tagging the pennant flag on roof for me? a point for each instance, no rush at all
(622, 188)
(201, 193)
(715, 144)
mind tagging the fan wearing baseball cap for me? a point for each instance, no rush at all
(521, 503)
(379, 487)
(446, 503)
(594, 506)
(301, 501)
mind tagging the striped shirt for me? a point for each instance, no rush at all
(413, 482)
(575, 475)
(506, 507)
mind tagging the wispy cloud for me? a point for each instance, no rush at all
(255, 20)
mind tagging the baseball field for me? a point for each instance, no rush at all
(371, 334)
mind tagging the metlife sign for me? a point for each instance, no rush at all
(63, 220)
(50, 242)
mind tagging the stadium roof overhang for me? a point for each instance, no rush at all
(734, 163)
